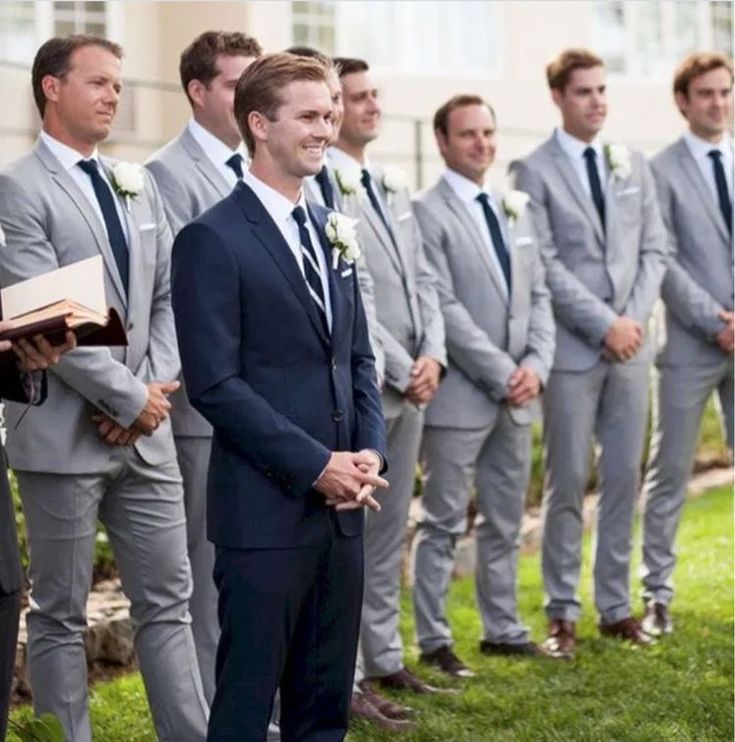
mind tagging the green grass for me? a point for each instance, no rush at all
(681, 689)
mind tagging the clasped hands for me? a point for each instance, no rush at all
(156, 410)
(726, 337)
(523, 386)
(350, 479)
(624, 338)
(425, 377)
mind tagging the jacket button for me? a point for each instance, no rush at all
(337, 415)
(334, 363)
(131, 327)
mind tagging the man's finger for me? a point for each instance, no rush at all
(169, 387)
(372, 479)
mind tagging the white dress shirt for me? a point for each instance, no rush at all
(467, 192)
(700, 149)
(69, 159)
(574, 149)
(281, 211)
(217, 151)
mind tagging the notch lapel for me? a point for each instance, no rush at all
(203, 163)
(381, 232)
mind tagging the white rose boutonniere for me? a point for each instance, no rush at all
(341, 234)
(394, 180)
(128, 180)
(618, 160)
(348, 180)
(514, 205)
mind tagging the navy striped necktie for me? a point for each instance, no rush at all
(311, 267)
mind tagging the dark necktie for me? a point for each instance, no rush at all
(115, 233)
(496, 237)
(322, 177)
(235, 164)
(723, 196)
(593, 175)
(367, 184)
(311, 266)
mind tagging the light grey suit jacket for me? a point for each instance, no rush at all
(189, 184)
(487, 335)
(594, 276)
(699, 283)
(367, 290)
(48, 222)
(409, 318)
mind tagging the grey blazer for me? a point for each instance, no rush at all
(409, 319)
(594, 276)
(699, 283)
(487, 336)
(48, 223)
(189, 184)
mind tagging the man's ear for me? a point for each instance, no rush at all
(258, 125)
(196, 89)
(50, 86)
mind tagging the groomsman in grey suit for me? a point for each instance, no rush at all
(604, 246)
(695, 186)
(101, 445)
(194, 171)
(411, 330)
(500, 345)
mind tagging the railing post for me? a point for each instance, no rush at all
(418, 154)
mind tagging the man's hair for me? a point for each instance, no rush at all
(311, 53)
(697, 64)
(441, 117)
(260, 85)
(350, 65)
(199, 59)
(559, 70)
(53, 58)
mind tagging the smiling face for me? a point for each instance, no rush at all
(361, 121)
(338, 108)
(707, 106)
(81, 104)
(468, 147)
(583, 102)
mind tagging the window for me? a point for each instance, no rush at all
(79, 17)
(721, 20)
(17, 31)
(313, 25)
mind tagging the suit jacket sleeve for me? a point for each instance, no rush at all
(689, 302)
(468, 346)
(653, 255)
(27, 252)
(575, 306)
(176, 200)
(541, 328)
(367, 293)
(207, 300)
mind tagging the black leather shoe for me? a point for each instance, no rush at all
(522, 649)
(448, 662)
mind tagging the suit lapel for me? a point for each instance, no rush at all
(64, 180)
(270, 237)
(694, 176)
(576, 188)
(381, 232)
(203, 163)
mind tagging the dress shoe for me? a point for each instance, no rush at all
(386, 707)
(657, 621)
(561, 641)
(448, 662)
(628, 629)
(404, 679)
(361, 708)
(521, 649)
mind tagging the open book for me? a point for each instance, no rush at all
(69, 298)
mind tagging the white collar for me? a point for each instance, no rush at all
(277, 205)
(465, 189)
(217, 151)
(700, 148)
(66, 155)
(339, 158)
(575, 148)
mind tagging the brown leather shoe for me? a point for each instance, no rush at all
(361, 708)
(448, 662)
(561, 641)
(386, 707)
(657, 621)
(404, 679)
(628, 629)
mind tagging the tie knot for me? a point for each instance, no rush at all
(235, 164)
(365, 178)
(483, 198)
(715, 154)
(590, 153)
(322, 175)
(89, 166)
(299, 216)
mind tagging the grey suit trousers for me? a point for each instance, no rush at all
(381, 648)
(681, 396)
(143, 510)
(609, 402)
(193, 455)
(496, 460)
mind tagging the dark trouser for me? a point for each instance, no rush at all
(289, 617)
(9, 613)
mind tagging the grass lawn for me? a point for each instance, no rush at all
(681, 689)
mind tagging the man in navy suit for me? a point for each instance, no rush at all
(276, 355)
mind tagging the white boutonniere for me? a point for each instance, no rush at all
(618, 160)
(349, 180)
(394, 180)
(341, 235)
(128, 180)
(514, 205)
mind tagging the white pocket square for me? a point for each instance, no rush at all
(629, 191)
(147, 227)
(345, 273)
(520, 241)
(405, 216)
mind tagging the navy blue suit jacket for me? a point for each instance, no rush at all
(280, 394)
